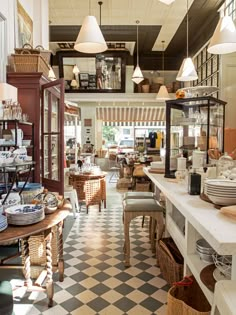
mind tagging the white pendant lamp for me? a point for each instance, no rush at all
(223, 40)
(76, 70)
(187, 71)
(163, 94)
(90, 39)
(168, 2)
(137, 76)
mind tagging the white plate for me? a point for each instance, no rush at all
(221, 183)
(219, 276)
(222, 201)
(18, 209)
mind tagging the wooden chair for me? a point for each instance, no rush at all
(93, 193)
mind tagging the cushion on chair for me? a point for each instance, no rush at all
(138, 195)
(143, 205)
(6, 299)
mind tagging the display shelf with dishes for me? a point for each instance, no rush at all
(25, 214)
(191, 124)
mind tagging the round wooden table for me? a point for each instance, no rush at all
(45, 226)
(79, 181)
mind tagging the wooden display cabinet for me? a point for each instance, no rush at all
(43, 101)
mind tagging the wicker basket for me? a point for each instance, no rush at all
(38, 50)
(37, 250)
(30, 63)
(142, 186)
(187, 300)
(170, 260)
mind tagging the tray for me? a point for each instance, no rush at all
(207, 278)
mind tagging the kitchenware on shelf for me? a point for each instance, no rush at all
(25, 214)
(224, 264)
(19, 134)
(198, 159)
(26, 143)
(181, 163)
(221, 191)
(204, 250)
(49, 200)
(225, 163)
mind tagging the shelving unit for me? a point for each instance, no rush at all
(188, 218)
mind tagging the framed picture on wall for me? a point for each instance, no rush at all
(84, 76)
(25, 26)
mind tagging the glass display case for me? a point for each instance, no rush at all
(193, 123)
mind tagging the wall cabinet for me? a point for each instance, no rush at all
(193, 123)
(43, 101)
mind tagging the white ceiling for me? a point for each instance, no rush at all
(123, 12)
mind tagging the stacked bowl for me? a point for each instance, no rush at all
(3, 222)
(221, 191)
(204, 250)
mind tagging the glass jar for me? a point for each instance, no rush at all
(225, 164)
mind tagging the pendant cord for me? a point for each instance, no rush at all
(187, 28)
(100, 4)
(137, 22)
(89, 7)
(163, 57)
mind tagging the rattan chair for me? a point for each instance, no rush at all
(93, 193)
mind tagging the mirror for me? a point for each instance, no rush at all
(100, 73)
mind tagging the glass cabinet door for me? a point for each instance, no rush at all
(52, 162)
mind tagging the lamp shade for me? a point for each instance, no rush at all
(74, 84)
(223, 40)
(137, 76)
(187, 71)
(8, 92)
(90, 39)
(75, 69)
(51, 74)
(162, 94)
(168, 2)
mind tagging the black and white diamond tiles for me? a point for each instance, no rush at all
(96, 281)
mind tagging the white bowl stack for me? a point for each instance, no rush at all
(25, 214)
(221, 191)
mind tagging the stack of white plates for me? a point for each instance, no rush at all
(221, 191)
(25, 214)
(3, 222)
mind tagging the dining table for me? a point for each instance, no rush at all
(45, 228)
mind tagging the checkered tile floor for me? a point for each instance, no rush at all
(96, 281)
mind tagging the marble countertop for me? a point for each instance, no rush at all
(217, 229)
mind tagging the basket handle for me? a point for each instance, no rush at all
(186, 282)
(25, 51)
(40, 47)
(27, 45)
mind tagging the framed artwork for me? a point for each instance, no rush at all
(25, 26)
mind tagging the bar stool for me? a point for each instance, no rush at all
(138, 195)
(142, 207)
(224, 298)
(71, 193)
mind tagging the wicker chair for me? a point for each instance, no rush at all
(93, 193)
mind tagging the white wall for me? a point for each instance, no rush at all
(228, 88)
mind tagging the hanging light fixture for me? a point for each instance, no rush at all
(187, 71)
(90, 39)
(137, 76)
(76, 70)
(168, 2)
(163, 93)
(223, 40)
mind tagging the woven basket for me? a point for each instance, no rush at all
(187, 300)
(144, 186)
(30, 63)
(37, 250)
(38, 50)
(170, 260)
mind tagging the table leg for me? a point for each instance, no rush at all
(60, 249)
(28, 281)
(49, 283)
